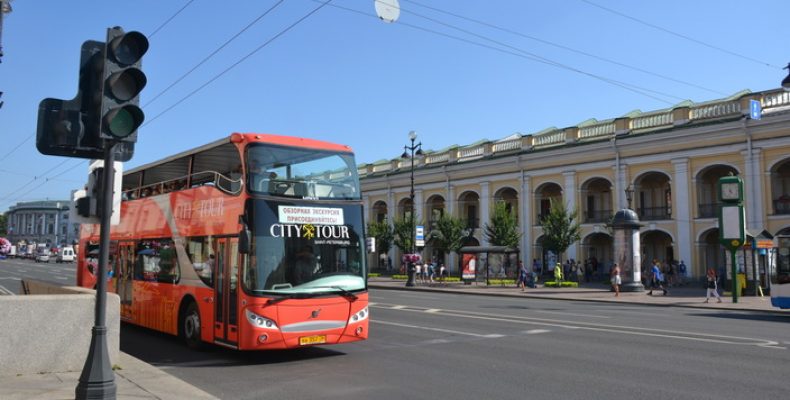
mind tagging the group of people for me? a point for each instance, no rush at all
(430, 272)
(656, 279)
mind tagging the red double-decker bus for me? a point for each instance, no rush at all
(252, 242)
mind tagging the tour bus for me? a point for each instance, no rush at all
(252, 242)
(780, 291)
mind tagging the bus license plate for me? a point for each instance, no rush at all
(315, 339)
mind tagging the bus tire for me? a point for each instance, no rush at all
(190, 326)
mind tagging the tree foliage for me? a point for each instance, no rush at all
(560, 228)
(404, 228)
(450, 234)
(3, 226)
(382, 232)
(504, 229)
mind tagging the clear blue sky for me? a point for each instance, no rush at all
(348, 77)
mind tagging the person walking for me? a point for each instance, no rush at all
(711, 284)
(616, 280)
(558, 274)
(522, 276)
(657, 280)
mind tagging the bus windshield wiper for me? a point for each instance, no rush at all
(343, 292)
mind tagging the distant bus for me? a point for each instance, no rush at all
(251, 242)
(780, 291)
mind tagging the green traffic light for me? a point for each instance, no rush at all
(122, 122)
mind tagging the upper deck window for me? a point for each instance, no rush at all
(301, 173)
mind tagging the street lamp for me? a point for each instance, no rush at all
(409, 152)
(629, 194)
(786, 80)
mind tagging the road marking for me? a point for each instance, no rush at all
(535, 331)
(620, 329)
(433, 310)
(428, 328)
(62, 278)
(571, 314)
(5, 291)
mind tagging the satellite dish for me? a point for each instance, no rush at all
(387, 10)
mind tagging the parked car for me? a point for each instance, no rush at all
(42, 256)
(66, 254)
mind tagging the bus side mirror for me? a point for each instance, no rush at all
(244, 241)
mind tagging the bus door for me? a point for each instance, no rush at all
(226, 290)
(125, 265)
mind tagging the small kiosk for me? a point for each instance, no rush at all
(481, 263)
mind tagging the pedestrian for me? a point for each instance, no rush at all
(522, 276)
(558, 274)
(442, 272)
(418, 272)
(670, 273)
(431, 270)
(711, 283)
(681, 273)
(657, 279)
(616, 280)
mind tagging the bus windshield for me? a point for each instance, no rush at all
(304, 249)
(301, 173)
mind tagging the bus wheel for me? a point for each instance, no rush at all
(190, 326)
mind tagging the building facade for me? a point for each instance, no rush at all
(670, 160)
(41, 222)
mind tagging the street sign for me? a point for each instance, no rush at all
(755, 109)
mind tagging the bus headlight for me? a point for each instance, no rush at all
(359, 316)
(260, 322)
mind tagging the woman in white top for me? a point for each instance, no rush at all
(616, 280)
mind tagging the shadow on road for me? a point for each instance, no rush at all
(163, 350)
(782, 319)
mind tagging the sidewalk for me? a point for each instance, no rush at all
(134, 380)
(685, 296)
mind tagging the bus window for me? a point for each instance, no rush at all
(302, 173)
(157, 261)
(201, 255)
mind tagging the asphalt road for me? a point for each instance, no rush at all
(448, 346)
(451, 346)
(13, 270)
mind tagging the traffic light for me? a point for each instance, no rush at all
(106, 108)
(123, 81)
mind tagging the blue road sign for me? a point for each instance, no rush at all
(755, 109)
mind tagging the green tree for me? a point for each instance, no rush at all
(403, 228)
(382, 232)
(450, 234)
(3, 225)
(560, 228)
(503, 230)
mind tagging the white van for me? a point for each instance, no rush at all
(65, 254)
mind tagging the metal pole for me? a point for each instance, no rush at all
(734, 269)
(97, 380)
(410, 265)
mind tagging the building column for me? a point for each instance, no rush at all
(485, 210)
(525, 219)
(418, 206)
(391, 213)
(681, 203)
(753, 191)
(452, 259)
(569, 192)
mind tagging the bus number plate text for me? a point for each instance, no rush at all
(315, 339)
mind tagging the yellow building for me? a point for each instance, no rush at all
(671, 159)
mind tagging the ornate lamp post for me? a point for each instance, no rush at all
(409, 152)
(786, 80)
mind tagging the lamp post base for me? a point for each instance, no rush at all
(410, 272)
(632, 287)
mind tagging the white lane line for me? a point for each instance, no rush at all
(626, 330)
(4, 291)
(433, 310)
(571, 314)
(428, 328)
(398, 307)
(62, 278)
(536, 331)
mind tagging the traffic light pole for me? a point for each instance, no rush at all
(97, 380)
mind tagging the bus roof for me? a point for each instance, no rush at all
(249, 138)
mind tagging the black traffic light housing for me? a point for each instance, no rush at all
(106, 107)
